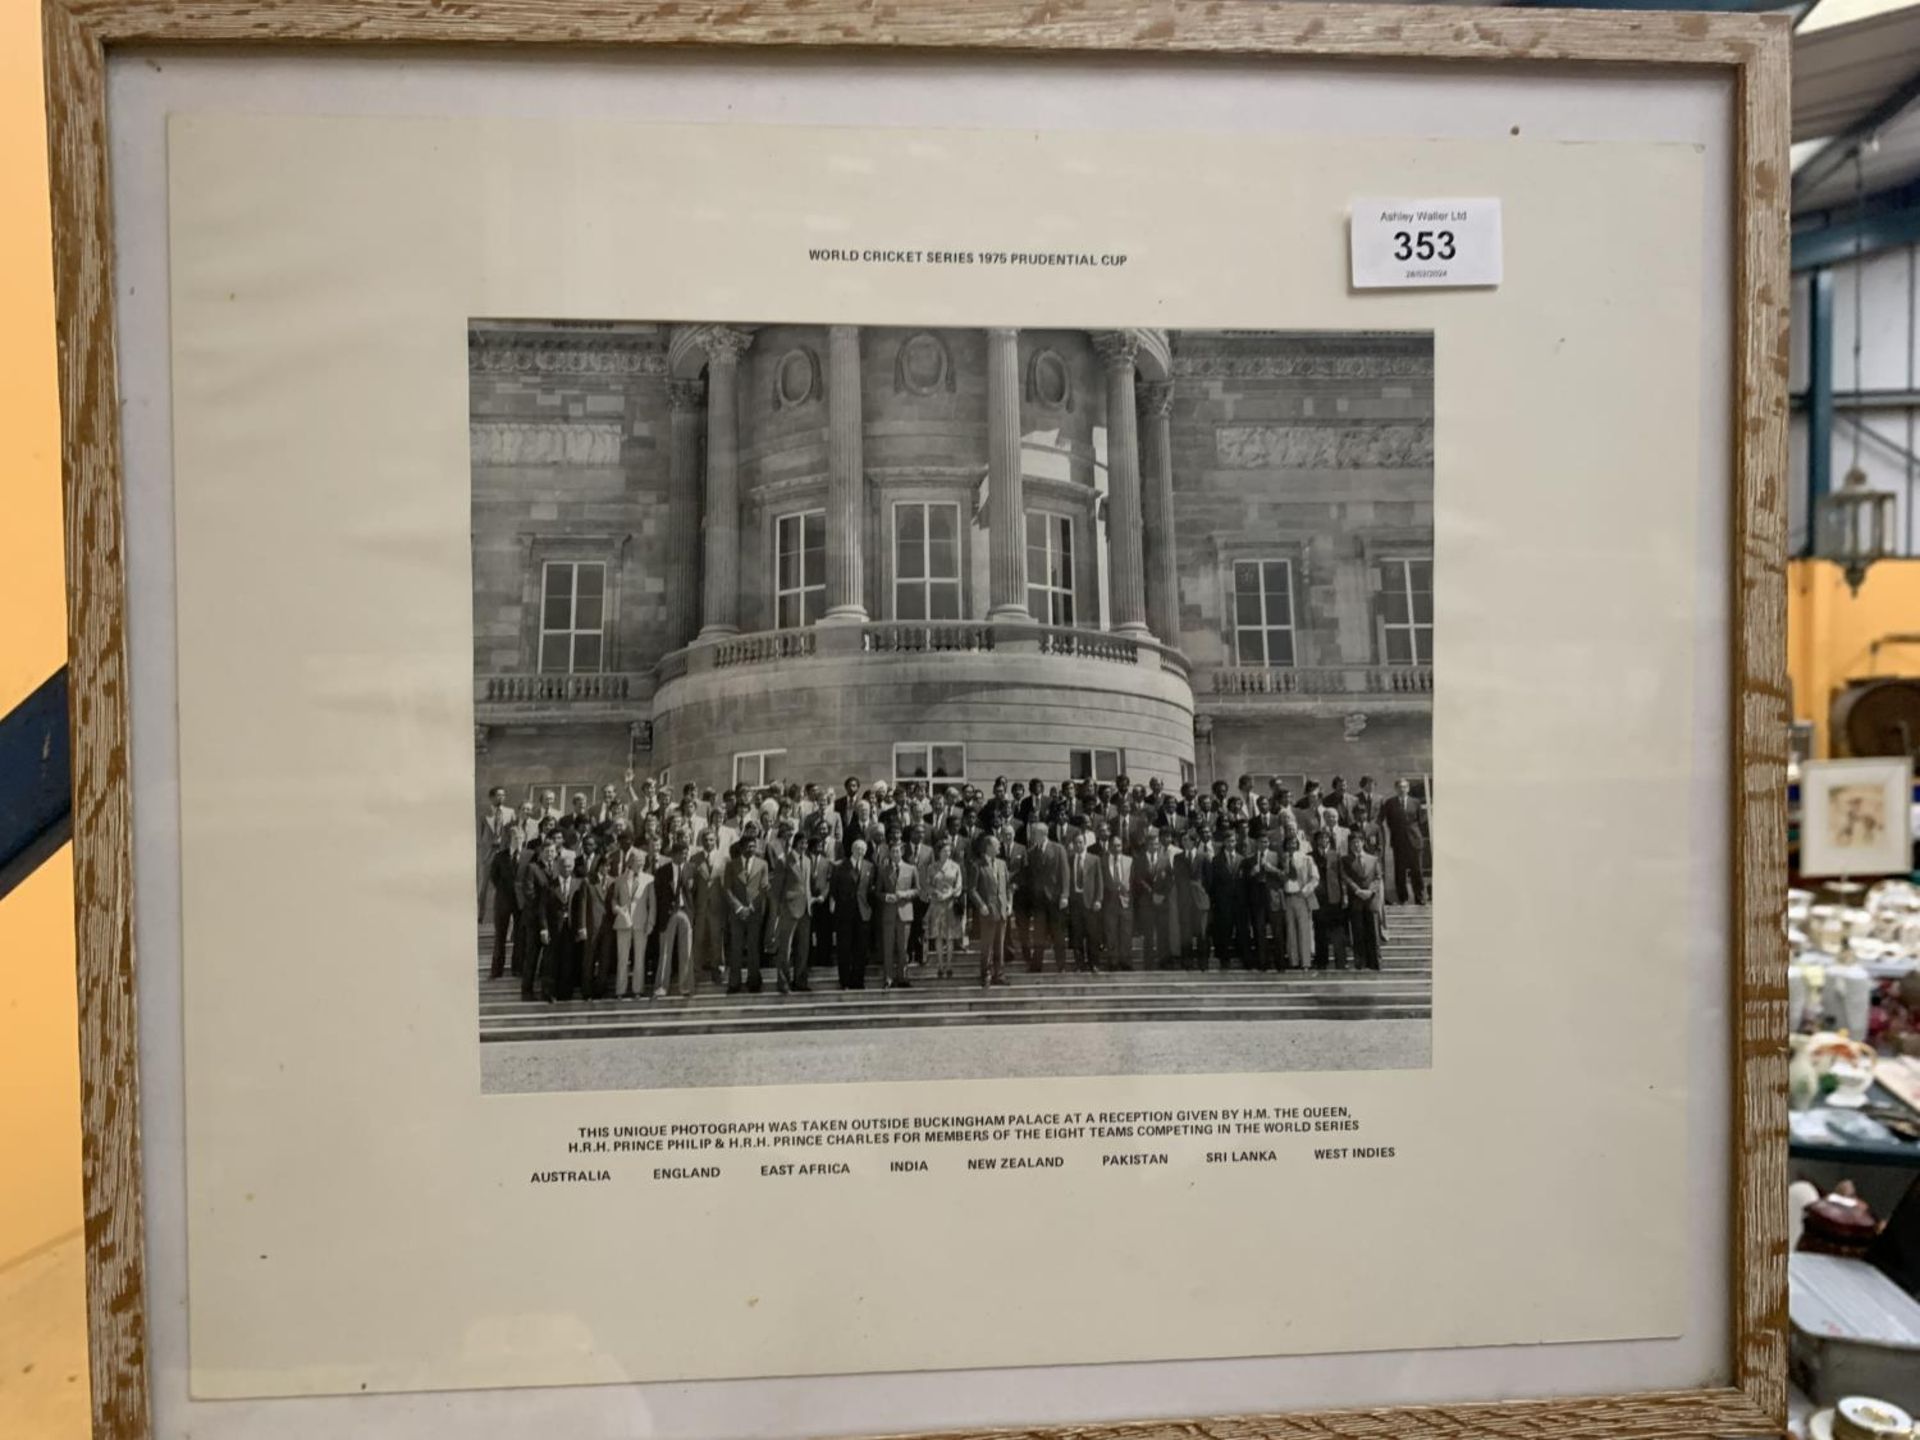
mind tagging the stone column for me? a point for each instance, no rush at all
(720, 610)
(1156, 511)
(683, 511)
(846, 479)
(1006, 500)
(1126, 584)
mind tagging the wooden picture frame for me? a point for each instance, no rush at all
(1751, 51)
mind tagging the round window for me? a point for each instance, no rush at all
(794, 379)
(1050, 382)
(923, 364)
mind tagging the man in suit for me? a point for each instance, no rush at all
(1307, 813)
(790, 906)
(1153, 900)
(671, 900)
(1255, 917)
(1405, 820)
(539, 913)
(1224, 889)
(1117, 904)
(992, 894)
(898, 886)
(1047, 898)
(820, 866)
(1084, 892)
(919, 854)
(706, 905)
(604, 813)
(852, 892)
(496, 823)
(843, 802)
(745, 885)
(1330, 906)
(502, 875)
(1364, 883)
(1300, 879)
(998, 808)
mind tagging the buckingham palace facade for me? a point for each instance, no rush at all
(730, 553)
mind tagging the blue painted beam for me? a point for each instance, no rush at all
(1819, 399)
(36, 782)
(1831, 237)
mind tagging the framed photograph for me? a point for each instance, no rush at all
(1856, 817)
(789, 721)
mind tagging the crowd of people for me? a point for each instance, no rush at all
(640, 893)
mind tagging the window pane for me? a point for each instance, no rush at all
(557, 613)
(943, 522)
(1080, 764)
(1423, 645)
(1063, 610)
(944, 602)
(815, 607)
(910, 523)
(943, 559)
(1393, 605)
(1036, 530)
(555, 654)
(773, 766)
(909, 602)
(1064, 541)
(1253, 647)
(1037, 604)
(1106, 764)
(816, 528)
(559, 580)
(586, 615)
(1246, 609)
(1246, 577)
(910, 762)
(787, 569)
(949, 760)
(1279, 596)
(1399, 648)
(784, 616)
(1420, 573)
(743, 768)
(1279, 647)
(1423, 606)
(586, 654)
(591, 580)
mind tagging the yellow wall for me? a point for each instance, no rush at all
(1830, 634)
(39, 1068)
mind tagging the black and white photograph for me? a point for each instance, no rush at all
(879, 703)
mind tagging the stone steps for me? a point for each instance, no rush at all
(1028, 999)
(1401, 990)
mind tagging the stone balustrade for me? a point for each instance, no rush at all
(560, 689)
(1323, 680)
(1087, 644)
(926, 636)
(766, 646)
(918, 637)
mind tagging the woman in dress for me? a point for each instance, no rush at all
(944, 883)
